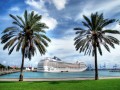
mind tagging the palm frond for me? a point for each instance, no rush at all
(87, 20)
(78, 28)
(26, 17)
(111, 31)
(20, 18)
(107, 22)
(10, 29)
(113, 39)
(16, 20)
(99, 49)
(10, 51)
(40, 47)
(87, 25)
(19, 44)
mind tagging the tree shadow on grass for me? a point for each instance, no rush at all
(73, 81)
(57, 82)
(8, 81)
(54, 82)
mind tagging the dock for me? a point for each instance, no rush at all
(114, 71)
(8, 72)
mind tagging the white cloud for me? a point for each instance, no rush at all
(50, 22)
(92, 7)
(39, 4)
(110, 58)
(60, 4)
(13, 60)
(116, 27)
(14, 9)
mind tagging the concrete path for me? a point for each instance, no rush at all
(54, 79)
(45, 79)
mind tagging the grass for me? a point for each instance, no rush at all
(110, 84)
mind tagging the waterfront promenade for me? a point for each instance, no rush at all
(44, 79)
(54, 79)
(3, 72)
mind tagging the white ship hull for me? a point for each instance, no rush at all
(61, 70)
(52, 65)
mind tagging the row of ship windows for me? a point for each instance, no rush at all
(56, 64)
(50, 69)
(63, 68)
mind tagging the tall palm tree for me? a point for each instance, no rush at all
(90, 39)
(26, 34)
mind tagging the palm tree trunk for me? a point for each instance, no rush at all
(21, 69)
(96, 66)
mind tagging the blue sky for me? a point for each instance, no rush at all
(61, 16)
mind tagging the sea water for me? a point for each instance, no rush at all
(86, 74)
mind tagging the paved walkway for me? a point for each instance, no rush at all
(46, 79)
(54, 79)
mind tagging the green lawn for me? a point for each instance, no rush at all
(112, 84)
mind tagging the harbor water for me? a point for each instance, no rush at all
(85, 74)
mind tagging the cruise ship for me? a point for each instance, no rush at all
(57, 65)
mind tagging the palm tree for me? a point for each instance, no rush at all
(90, 39)
(26, 34)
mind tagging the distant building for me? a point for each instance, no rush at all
(29, 68)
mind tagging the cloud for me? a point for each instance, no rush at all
(39, 4)
(50, 22)
(13, 60)
(110, 58)
(116, 27)
(60, 4)
(104, 7)
(14, 9)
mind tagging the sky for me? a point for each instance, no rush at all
(61, 16)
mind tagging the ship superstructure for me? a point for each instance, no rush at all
(57, 65)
